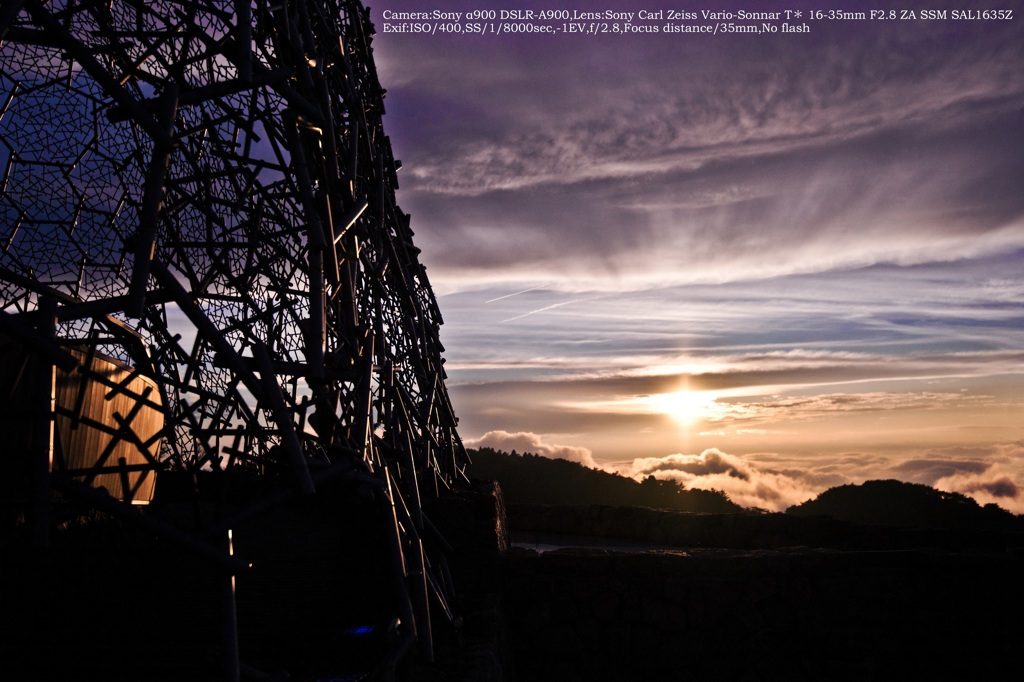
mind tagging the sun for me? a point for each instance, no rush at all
(687, 407)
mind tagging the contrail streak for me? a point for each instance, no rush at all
(524, 291)
(540, 310)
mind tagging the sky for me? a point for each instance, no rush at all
(767, 264)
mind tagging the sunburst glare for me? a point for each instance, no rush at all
(686, 407)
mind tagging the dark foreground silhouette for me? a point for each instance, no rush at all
(745, 595)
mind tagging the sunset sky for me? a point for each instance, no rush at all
(766, 264)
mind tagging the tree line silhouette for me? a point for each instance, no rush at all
(897, 503)
(533, 479)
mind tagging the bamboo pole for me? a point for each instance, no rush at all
(42, 430)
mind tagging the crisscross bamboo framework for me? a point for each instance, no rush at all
(213, 179)
(202, 190)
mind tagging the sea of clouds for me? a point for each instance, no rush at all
(775, 482)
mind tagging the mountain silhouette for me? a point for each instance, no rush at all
(532, 479)
(897, 503)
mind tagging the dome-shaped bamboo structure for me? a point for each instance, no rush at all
(198, 227)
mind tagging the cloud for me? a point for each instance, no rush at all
(1001, 487)
(579, 111)
(532, 443)
(708, 463)
(745, 482)
(595, 163)
(776, 408)
(774, 482)
(824, 235)
(992, 486)
(930, 470)
(997, 476)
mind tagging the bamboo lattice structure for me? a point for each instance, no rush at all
(202, 191)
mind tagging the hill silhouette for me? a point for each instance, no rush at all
(897, 503)
(532, 479)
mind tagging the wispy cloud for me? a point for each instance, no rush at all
(586, 114)
(823, 235)
(708, 161)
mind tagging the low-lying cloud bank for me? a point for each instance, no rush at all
(745, 482)
(523, 442)
(774, 482)
(989, 475)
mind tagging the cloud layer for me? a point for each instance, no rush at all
(651, 159)
(811, 244)
(775, 482)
